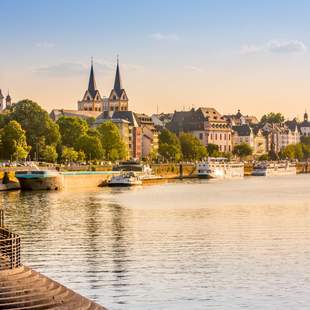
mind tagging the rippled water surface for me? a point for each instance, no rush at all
(237, 244)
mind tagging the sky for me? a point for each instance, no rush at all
(174, 54)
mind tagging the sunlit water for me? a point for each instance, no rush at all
(235, 244)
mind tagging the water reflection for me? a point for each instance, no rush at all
(240, 244)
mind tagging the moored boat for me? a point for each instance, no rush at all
(40, 180)
(220, 168)
(125, 179)
(274, 168)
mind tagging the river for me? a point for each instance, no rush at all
(231, 244)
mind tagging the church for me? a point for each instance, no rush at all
(93, 101)
(7, 103)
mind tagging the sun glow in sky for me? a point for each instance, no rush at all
(252, 55)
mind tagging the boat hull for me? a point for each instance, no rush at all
(47, 183)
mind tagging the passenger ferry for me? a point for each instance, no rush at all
(125, 179)
(274, 168)
(40, 180)
(220, 168)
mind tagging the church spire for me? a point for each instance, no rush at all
(92, 82)
(118, 82)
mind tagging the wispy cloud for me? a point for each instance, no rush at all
(44, 44)
(194, 69)
(69, 69)
(275, 46)
(62, 69)
(158, 36)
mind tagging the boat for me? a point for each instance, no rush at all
(129, 178)
(274, 168)
(8, 184)
(219, 167)
(40, 180)
(144, 171)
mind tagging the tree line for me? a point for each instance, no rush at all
(26, 131)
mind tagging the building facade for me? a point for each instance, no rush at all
(207, 124)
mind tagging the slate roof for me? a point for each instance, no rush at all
(127, 115)
(242, 130)
(92, 88)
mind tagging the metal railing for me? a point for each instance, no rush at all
(1, 218)
(9, 247)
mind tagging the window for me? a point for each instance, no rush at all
(216, 136)
(220, 136)
(225, 136)
(201, 136)
(211, 136)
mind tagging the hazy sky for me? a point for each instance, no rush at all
(229, 54)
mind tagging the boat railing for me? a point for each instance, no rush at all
(9, 247)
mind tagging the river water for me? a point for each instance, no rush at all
(232, 244)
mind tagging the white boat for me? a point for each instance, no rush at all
(274, 168)
(144, 171)
(220, 168)
(125, 179)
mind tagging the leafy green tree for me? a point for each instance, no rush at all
(169, 146)
(273, 118)
(90, 121)
(13, 143)
(305, 140)
(71, 129)
(49, 154)
(192, 148)
(263, 157)
(299, 154)
(40, 129)
(213, 150)
(289, 152)
(242, 150)
(69, 154)
(91, 147)
(112, 142)
(306, 150)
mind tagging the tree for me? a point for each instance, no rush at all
(213, 150)
(90, 146)
(299, 154)
(242, 150)
(69, 154)
(40, 129)
(48, 154)
(169, 146)
(112, 142)
(192, 148)
(288, 152)
(71, 129)
(273, 118)
(13, 143)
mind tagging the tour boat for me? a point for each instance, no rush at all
(274, 168)
(220, 168)
(144, 171)
(40, 180)
(125, 179)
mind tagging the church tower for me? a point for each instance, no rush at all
(2, 106)
(92, 101)
(118, 100)
(8, 101)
